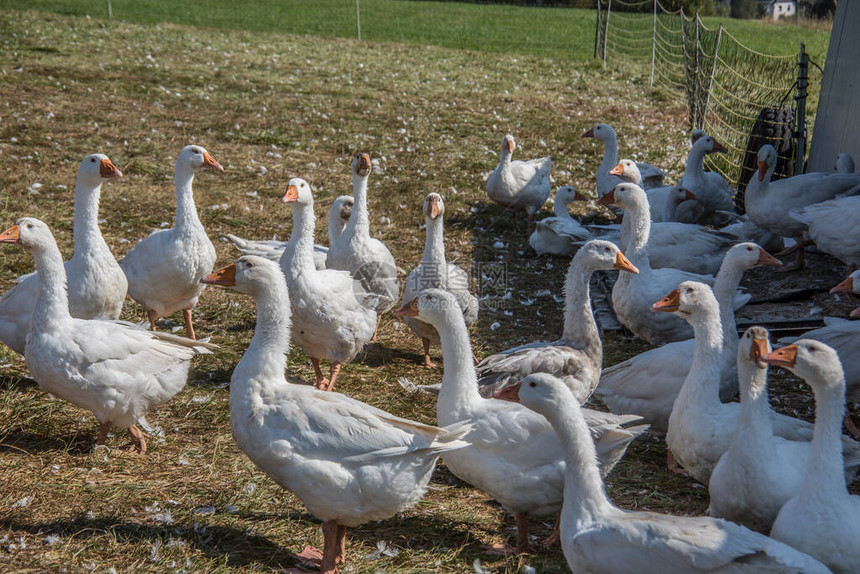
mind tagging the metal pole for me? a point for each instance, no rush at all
(696, 77)
(597, 30)
(654, 44)
(800, 98)
(110, 11)
(711, 79)
(606, 31)
(358, 20)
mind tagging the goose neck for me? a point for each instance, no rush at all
(266, 357)
(186, 211)
(336, 226)
(559, 209)
(584, 493)
(725, 285)
(86, 224)
(695, 166)
(610, 154)
(580, 327)
(670, 209)
(434, 245)
(52, 299)
(298, 256)
(459, 391)
(702, 383)
(359, 220)
(825, 470)
(635, 231)
(755, 415)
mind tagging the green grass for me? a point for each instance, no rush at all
(556, 32)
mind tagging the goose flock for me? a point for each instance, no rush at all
(513, 425)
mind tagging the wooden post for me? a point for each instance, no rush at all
(606, 30)
(597, 30)
(358, 20)
(800, 98)
(110, 11)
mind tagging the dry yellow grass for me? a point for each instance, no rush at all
(270, 107)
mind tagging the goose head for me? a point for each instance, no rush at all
(680, 194)
(748, 255)
(600, 255)
(540, 392)
(628, 171)
(753, 346)
(851, 284)
(299, 192)
(433, 306)
(508, 144)
(602, 132)
(813, 361)
(30, 233)
(195, 157)
(766, 160)
(361, 165)
(567, 194)
(97, 168)
(697, 133)
(624, 195)
(434, 207)
(342, 206)
(690, 300)
(708, 144)
(250, 275)
(844, 163)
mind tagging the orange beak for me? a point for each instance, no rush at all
(408, 309)
(765, 258)
(589, 133)
(608, 199)
(669, 303)
(433, 208)
(108, 170)
(225, 277)
(762, 169)
(846, 286)
(855, 314)
(509, 144)
(364, 165)
(719, 147)
(10, 235)
(209, 161)
(509, 393)
(617, 170)
(623, 264)
(291, 195)
(784, 357)
(689, 195)
(757, 351)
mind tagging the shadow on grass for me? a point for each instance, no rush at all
(18, 440)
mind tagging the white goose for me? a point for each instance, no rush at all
(745, 230)
(770, 203)
(331, 322)
(97, 285)
(599, 538)
(556, 235)
(700, 425)
(823, 519)
(272, 249)
(759, 472)
(117, 371)
(435, 272)
(844, 163)
(663, 208)
(834, 227)
(632, 295)
(714, 195)
(651, 176)
(647, 384)
(843, 336)
(577, 356)
(514, 456)
(164, 270)
(519, 185)
(347, 461)
(367, 259)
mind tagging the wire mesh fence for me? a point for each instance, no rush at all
(738, 95)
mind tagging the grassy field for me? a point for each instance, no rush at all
(270, 107)
(556, 32)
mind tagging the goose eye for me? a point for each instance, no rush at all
(749, 248)
(92, 160)
(29, 226)
(248, 264)
(689, 289)
(532, 384)
(811, 349)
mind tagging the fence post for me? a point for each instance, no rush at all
(800, 98)
(358, 20)
(696, 78)
(606, 30)
(711, 79)
(597, 30)
(654, 44)
(110, 11)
